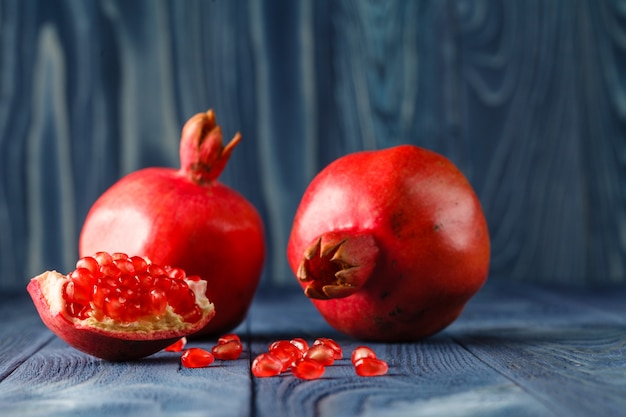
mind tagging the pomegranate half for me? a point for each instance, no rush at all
(390, 245)
(119, 308)
(186, 218)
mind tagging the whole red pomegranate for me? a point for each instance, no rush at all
(188, 219)
(390, 244)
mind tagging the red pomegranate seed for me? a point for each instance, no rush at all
(175, 273)
(371, 367)
(227, 351)
(266, 365)
(126, 266)
(286, 352)
(321, 353)
(196, 358)
(228, 338)
(110, 270)
(103, 258)
(300, 343)
(117, 256)
(156, 270)
(305, 368)
(177, 346)
(362, 352)
(331, 343)
(90, 263)
(139, 263)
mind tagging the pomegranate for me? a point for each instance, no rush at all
(390, 244)
(117, 307)
(188, 219)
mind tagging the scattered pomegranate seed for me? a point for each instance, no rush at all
(370, 367)
(227, 351)
(331, 343)
(300, 343)
(196, 358)
(362, 352)
(228, 338)
(286, 352)
(266, 365)
(306, 368)
(177, 346)
(323, 354)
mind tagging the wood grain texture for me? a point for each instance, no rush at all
(516, 351)
(527, 98)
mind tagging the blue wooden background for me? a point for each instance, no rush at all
(527, 97)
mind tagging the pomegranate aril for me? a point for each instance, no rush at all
(332, 344)
(305, 368)
(103, 258)
(175, 273)
(90, 263)
(110, 270)
(228, 338)
(227, 351)
(156, 270)
(125, 266)
(177, 346)
(362, 352)
(321, 353)
(300, 343)
(192, 315)
(139, 263)
(158, 301)
(266, 365)
(286, 352)
(196, 358)
(371, 367)
(163, 282)
(78, 310)
(114, 307)
(117, 256)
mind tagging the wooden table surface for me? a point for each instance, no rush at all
(516, 351)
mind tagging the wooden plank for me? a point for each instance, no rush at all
(435, 377)
(568, 356)
(21, 332)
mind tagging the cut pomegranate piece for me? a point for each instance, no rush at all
(266, 365)
(111, 307)
(305, 368)
(196, 358)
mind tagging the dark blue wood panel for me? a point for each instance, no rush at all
(527, 98)
(516, 351)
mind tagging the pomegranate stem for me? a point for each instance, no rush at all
(202, 153)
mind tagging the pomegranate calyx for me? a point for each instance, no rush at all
(337, 264)
(203, 155)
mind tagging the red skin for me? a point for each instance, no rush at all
(186, 218)
(431, 241)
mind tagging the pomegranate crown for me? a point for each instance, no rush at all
(202, 153)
